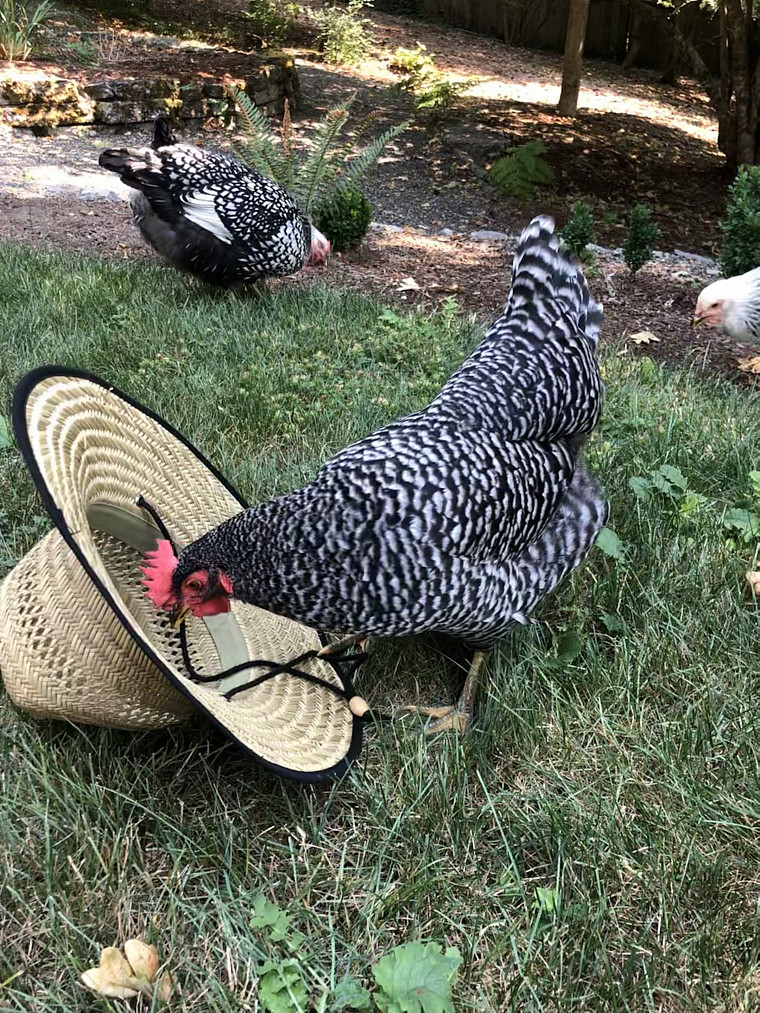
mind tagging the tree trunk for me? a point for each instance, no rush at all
(735, 95)
(577, 20)
(741, 78)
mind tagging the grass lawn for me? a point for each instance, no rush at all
(592, 845)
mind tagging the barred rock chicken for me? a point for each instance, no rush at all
(458, 519)
(212, 216)
(733, 304)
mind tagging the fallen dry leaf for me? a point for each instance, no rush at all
(643, 338)
(408, 285)
(163, 986)
(753, 579)
(120, 977)
(750, 365)
(143, 959)
(114, 966)
(97, 980)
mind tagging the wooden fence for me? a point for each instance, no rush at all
(614, 26)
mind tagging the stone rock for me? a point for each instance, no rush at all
(50, 102)
(102, 91)
(483, 235)
(137, 90)
(213, 90)
(127, 111)
(44, 102)
(697, 257)
(479, 142)
(90, 193)
(605, 250)
(445, 232)
(133, 101)
(192, 93)
(161, 42)
(383, 227)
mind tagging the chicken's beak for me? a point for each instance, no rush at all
(696, 321)
(178, 615)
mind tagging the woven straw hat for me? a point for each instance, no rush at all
(79, 638)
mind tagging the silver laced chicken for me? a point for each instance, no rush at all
(212, 216)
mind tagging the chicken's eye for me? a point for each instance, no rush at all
(193, 584)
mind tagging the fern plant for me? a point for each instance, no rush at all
(522, 171)
(317, 174)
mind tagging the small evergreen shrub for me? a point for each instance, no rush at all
(345, 218)
(434, 94)
(271, 19)
(642, 234)
(439, 98)
(343, 34)
(414, 66)
(579, 230)
(522, 171)
(740, 250)
(18, 25)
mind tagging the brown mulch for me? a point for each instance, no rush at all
(634, 141)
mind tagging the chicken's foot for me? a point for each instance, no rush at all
(458, 716)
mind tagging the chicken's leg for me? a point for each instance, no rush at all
(341, 645)
(458, 716)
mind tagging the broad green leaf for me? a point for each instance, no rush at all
(754, 481)
(417, 978)
(349, 994)
(610, 544)
(568, 646)
(640, 486)
(546, 900)
(613, 623)
(675, 476)
(389, 317)
(744, 521)
(691, 504)
(282, 989)
(663, 484)
(6, 440)
(271, 918)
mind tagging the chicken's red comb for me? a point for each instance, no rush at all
(158, 566)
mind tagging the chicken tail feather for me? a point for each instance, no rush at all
(542, 271)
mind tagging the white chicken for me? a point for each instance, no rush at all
(733, 304)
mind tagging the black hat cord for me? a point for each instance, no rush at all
(345, 666)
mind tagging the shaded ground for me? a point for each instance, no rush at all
(634, 141)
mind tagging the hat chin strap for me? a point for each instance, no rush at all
(231, 646)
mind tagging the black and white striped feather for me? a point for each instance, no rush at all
(461, 517)
(210, 215)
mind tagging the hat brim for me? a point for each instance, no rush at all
(288, 725)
